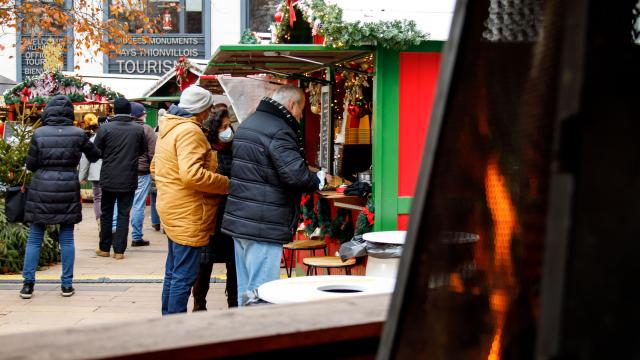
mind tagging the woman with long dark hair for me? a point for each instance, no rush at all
(220, 248)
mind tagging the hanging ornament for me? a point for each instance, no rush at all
(364, 66)
(167, 24)
(338, 78)
(278, 16)
(315, 91)
(370, 69)
(353, 110)
(182, 73)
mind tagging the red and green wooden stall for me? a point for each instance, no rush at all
(404, 85)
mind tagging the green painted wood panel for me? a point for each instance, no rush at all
(385, 139)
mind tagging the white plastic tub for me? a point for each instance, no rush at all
(384, 267)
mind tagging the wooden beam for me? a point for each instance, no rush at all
(271, 329)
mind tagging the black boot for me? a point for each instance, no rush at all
(67, 291)
(27, 290)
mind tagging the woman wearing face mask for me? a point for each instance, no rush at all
(220, 248)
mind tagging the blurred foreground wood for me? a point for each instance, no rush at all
(336, 329)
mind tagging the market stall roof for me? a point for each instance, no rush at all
(197, 67)
(279, 59)
(6, 83)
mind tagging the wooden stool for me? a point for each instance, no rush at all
(328, 262)
(301, 245)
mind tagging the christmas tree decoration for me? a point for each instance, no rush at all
(248, 37)
(326, 21)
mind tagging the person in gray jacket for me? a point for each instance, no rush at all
(91, 172)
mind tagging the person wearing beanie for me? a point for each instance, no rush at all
(139, 113)
(122, 142)
(54, 194)
(189, 190)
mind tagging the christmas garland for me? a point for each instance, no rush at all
(42, 88)
(341, 227)
(326, 20)
(364, 223)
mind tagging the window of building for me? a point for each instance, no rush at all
(172, 16)
(194, 16)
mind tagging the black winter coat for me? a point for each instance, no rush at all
(54, 154)
(121, 142)
(268, 177)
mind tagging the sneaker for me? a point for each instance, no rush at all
(27, 291)
(156, 227)
(102, 253)
(118, 256)
(67, 291)
(140, 242)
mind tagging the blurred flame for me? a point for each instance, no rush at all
(503, 215)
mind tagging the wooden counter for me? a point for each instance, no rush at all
(340, 200)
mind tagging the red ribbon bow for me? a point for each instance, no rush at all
(292, 12)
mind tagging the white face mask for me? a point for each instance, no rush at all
(226, 135)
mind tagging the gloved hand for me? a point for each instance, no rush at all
(321, 175)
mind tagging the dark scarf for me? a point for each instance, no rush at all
(273, 107)
(221, 146)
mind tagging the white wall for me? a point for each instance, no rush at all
(225, 23)
(8, 55)
(94, 64)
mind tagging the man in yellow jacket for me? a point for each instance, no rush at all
(184, 169)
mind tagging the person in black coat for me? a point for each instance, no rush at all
(121, 142)
(220, 248)
(54, 192)
(268, 176)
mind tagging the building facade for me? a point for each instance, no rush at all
(189, 28)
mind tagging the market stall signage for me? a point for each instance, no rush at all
(32, 59)
(157, 56)
(326, 129)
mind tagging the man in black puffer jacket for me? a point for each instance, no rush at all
(121, 141)
(268, 176)
(54, 193)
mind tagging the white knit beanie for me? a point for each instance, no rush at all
(195, 99)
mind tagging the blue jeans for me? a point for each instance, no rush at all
(155, 218)
(32, 254)
(139, 203)
(257, 262)
(181, 270)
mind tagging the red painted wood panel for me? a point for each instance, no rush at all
(418, 79)
(403, 222)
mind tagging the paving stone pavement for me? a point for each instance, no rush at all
(107, 290)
